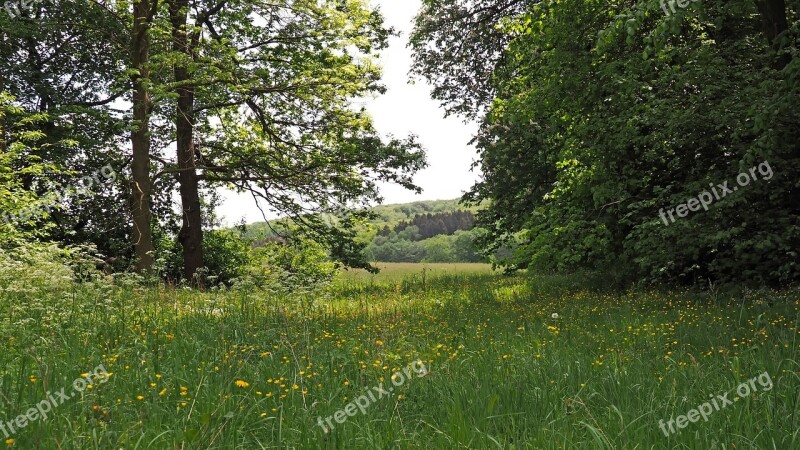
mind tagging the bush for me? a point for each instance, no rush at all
(301, 266)
(227, 256)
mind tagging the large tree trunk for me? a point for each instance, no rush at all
(141, 184)
(191, 234)
(775, 22)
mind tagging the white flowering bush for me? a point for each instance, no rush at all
(45, 285)
(33, 271)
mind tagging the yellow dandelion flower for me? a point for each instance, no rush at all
(163, 391)
(347, 383)
(10, 441)
(242, 383)
(139, 397)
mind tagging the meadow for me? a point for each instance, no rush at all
(393, 272)
(512, 362)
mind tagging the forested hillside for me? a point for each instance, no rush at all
(425, 231)
(437, 231)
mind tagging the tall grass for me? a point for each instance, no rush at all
(245, 369)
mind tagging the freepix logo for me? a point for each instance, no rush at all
(60, 197)
(15, 8)
(364, 401)
(54, 399)
(720, 191)
(682, 4)
(716, 403)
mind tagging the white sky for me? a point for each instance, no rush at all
(405, 109)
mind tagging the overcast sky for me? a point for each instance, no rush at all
(404, 109)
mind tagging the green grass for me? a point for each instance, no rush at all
(394, 272)
(503, 372)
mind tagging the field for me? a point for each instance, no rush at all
(480, 360)
(393, 272)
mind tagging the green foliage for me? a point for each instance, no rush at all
(392, 215)
(296, 268)
(22, 208)
(271, 105)
(430, 225)
(228, 256)
(605, 113)
(63, 64)
(407, 247)
(292, 266)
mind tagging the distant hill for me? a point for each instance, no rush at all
(425, 231)
(429, 231)
(392, 215)
(388, 215)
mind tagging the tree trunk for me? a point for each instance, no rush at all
(191, 234)
(141, 185)
(775, 22)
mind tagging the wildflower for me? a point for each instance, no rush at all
(242, 383)
(139, 397)
(10, 441)
(554, 316)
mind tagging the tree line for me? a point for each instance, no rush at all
(430, 225)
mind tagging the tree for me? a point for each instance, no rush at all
(260, 107)
(64, 63)
(265, 108)
(592, 130)
(458, 47)
(141, 185)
